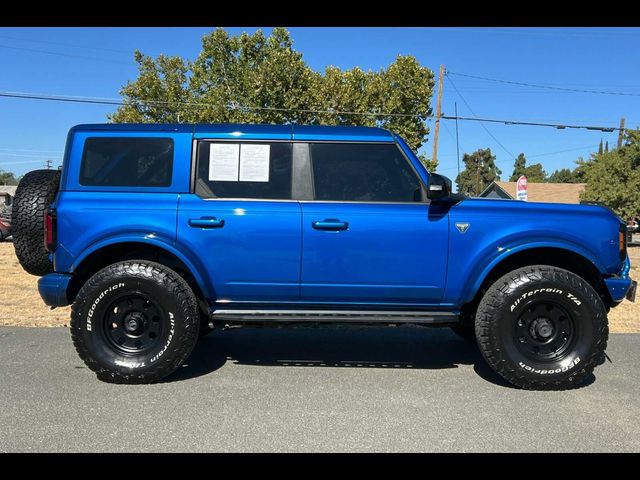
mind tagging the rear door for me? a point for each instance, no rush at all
(369, 236)
(241, 222)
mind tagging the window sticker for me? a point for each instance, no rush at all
(223, 162)
(254, 163)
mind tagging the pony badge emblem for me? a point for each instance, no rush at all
(462, 226)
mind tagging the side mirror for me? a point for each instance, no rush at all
(439, 187)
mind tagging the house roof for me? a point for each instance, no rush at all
(544, 192)
(10, 189)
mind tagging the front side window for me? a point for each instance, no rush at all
(244, 170)
(127, 162)
(362, 173)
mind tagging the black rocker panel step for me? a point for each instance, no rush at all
(356, 316)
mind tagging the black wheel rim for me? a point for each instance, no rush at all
(545, 331)
(133, 324)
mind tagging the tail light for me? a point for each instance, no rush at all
(622, 241)
(50, 229)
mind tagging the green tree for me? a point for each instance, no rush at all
(254, 78)
(480, 170)
(519, 167)
(429, 163)
(8, 178)
(534, 173)
(613, 177)
(563, 175)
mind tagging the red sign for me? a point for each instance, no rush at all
(521, 188)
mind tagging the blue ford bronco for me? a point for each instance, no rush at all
(157, 234)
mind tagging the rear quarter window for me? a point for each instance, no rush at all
(127, 162)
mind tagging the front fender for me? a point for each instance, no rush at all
(487, 259)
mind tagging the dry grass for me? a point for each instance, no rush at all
(625, 318)
(21, 305)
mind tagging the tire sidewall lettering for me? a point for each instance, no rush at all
(551, 290)
(172, 331)
(573, 363)
(95, 303)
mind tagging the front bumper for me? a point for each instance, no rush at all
(53, 289)
(622, 286)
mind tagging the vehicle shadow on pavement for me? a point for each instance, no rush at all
(346, 347)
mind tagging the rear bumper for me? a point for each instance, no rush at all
(622, 286)
(53, 289)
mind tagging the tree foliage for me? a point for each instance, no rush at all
(8, 178)
(613, 177)
(479, 171)
(563, 175)
(534, 173)
(254, 78)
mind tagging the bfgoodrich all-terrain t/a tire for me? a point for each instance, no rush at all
(35, 192)
(542, 328)
(135, 322)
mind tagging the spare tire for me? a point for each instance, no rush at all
(35, 192)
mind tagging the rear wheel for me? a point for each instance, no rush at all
(135, 322)
(35, 192)
(542, 327)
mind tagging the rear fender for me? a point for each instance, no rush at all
(188, 258)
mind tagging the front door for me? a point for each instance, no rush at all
(368, 237)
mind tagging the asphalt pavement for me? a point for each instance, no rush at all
(335, 389)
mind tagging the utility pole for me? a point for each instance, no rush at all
(455, 107)
(436, 128)
(621, 132)
(47, 164)
(478, 162)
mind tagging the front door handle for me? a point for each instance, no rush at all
(330, 224)
(206, 222)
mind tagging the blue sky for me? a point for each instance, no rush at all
(96, 62)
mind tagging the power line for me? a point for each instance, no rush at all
(20, 163)
(49, 42)
(533, 124)
(552, 31)
(6, 154)
(46, 52)
(28, 150)
(234, 106)
(538, 155)
(549, 87)
(561, 151)
(231, 106)
(476, 117)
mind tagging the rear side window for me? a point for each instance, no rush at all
(244, 170)
(362, 173)
(127, 162)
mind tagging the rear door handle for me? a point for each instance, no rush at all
(206, 222)
(330, 224)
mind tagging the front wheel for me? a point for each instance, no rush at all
(135, 322)
(542, 328)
